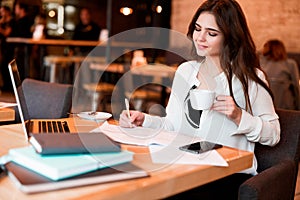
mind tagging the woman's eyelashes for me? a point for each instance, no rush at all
(210, 33)
(197, 28)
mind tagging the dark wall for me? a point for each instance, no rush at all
(97, 7)
(143, 15)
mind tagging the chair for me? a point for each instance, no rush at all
(277, 166)
(44, 100)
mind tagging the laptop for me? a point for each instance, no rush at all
(36, 126)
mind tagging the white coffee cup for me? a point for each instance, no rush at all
(202, 99)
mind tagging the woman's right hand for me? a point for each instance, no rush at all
(136, 119)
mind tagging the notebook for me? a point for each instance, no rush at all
(29, 182)
(65, 143)
(66, 165)
(35, 126)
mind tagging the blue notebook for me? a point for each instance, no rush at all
(57, 167)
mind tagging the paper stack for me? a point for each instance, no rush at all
(62, 166)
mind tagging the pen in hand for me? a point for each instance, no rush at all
(127, 107)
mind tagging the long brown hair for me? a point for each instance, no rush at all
(238, 54)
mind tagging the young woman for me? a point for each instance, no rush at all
(225, 62)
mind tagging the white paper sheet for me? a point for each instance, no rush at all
(173, 155)
(5, 104)
(142, 136)
(163, 145)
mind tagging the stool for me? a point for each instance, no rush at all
(53, 62)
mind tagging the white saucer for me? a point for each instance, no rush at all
(96, 116)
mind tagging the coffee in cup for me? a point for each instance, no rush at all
(202, 99)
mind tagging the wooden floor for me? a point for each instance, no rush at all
(9, 97)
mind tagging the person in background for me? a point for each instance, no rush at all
(23, 23)
(86, 30)
(225, 61)
(283, 75)
(6, 22)
(22, 28)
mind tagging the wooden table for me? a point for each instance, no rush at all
(49, 42)
(113, 67)
(7, 114)
(161, 74)
(164, 180)
(154, 70)
(75, 43)
(52, 42)
(53, 61)
(64, 42)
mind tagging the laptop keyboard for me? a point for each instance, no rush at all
(53, 127)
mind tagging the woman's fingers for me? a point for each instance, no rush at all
(124, 120)
(136, 119)
(226, 105)
(223, 103)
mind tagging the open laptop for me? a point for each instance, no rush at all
(36, 126)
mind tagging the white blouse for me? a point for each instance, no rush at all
(262, 126)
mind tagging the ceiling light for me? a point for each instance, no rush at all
(158, 9)
(51, 13)
(126, 11)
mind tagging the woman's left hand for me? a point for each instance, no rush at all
(226, 105)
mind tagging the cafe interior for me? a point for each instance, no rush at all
(134, 55)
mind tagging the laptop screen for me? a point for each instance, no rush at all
(16, 83)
